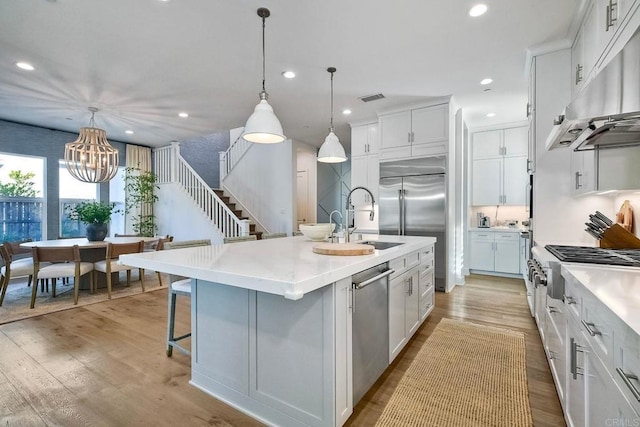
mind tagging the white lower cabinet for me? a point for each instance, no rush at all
(554, 342)
(404, 313)
(411, 296)
(493, 251)
(602, 361)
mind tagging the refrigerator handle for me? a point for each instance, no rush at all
(401, 211)
(404, 212)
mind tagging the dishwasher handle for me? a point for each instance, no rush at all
(367, 282)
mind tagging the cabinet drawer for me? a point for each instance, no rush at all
(426, 280)
(507, 237)
(599, 324)
(627, 362)
(426, 303)
(572, 297)
(413, 259)
(481, 235)
(426, 256)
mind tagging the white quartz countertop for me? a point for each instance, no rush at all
(286, 266)
(617, 287)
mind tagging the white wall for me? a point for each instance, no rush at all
(178, 215)
(307, 160)
(263, 182)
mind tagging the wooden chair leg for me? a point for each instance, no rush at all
(76, 289)
(4, 284)
(29, 280)
(34, 289)
(53, 286)
(159, 278)
(141, 273)
(128, 277)
(108, 273)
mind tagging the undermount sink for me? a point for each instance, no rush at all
(380, 245)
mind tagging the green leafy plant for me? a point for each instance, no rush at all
(140, 189)
(22, 185)
(91, 212)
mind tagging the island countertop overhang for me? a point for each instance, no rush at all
(286, 266)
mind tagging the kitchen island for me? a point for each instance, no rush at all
(271, 322)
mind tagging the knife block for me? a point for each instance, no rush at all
(616, 237)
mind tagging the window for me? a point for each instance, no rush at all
(116, 195)
(72, 192)
(22, 213)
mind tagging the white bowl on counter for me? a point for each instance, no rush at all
(317, 232)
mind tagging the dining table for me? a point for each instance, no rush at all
(91, 251)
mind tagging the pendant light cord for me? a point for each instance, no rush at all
(263, 59)
(332, 101)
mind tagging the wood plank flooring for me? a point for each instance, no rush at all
(105, 365)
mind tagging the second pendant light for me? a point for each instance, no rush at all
(331, 150)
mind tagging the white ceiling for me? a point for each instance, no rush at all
(142, 62)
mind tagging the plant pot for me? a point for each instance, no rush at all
(97, 232)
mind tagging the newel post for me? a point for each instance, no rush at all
(175, 152)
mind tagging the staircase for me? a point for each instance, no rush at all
(237, 212)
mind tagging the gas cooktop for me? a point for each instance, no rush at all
(591, 255)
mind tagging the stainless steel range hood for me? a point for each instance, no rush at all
(606, 114)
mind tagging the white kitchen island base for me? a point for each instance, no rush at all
(283, 362)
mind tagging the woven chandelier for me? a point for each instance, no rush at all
(91, 158)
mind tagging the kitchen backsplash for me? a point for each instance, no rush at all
(499, 216)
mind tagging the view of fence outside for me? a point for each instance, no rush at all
(20, 218)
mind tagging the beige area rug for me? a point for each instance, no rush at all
(464, 375)
(18, 298)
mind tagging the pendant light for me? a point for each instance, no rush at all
(331, 150)
(91, 158)
(263, 127)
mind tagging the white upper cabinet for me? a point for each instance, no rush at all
(365, 139)
(415, 133)
(584, 51)
(500, 175)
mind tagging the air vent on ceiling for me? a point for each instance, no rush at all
(370, 98)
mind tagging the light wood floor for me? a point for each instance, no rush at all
(105, 364)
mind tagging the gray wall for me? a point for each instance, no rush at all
(16, 138)
(202, 154)
(334, 184)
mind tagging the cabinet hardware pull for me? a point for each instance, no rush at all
(574, 359)
(409, 137)
(569, 300)
(552, 309)
(590, 328)
(611, 18)
(578, 73)
(627, 381)
(352, 306)
(413, 137)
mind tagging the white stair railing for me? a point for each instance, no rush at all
(170, 167)
(230, 158)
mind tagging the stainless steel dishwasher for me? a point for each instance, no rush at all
(370, 306)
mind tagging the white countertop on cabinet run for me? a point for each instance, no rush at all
(286, 266)
(617, 287)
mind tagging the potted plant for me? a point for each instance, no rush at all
(140, 189)
(96, 215)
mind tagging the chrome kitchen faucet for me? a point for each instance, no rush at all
(346, 216)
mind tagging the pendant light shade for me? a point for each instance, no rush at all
(331, 150)
(91, 158)
(263, 127)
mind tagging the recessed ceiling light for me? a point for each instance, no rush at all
(128, 132)
(486, 81)
(288, 74)
(25, 66)
(478, 10)
(491, 114)
(183, 115)
(346, 111)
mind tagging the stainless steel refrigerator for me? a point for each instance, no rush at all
(412, 202)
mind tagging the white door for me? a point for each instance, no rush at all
(516, 141)
(487, 145)
(302, 197)
(507, 253)
(486, 182)
(394, 130)
(515, 181)
(430, 124)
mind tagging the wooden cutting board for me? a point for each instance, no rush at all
(344, 249)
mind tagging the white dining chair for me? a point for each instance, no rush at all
(111, 265)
